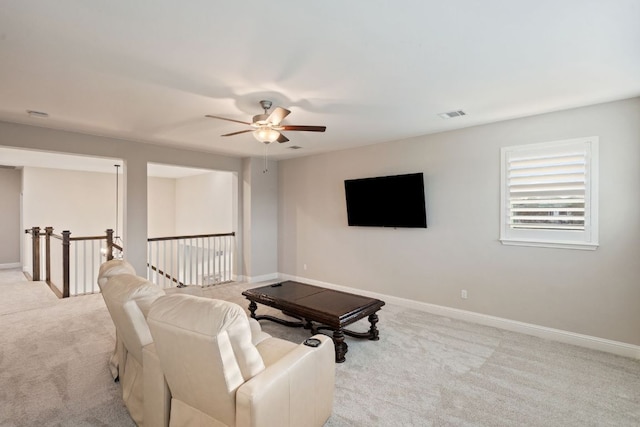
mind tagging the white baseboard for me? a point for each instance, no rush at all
(10, 265)
(262, 278)
(581, 340)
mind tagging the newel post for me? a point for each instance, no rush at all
(35, 249)
(47, 245)
(109, 244)
(66, 243)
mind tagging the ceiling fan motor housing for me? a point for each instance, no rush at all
(260, 120)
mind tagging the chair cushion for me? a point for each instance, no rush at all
(273, 349)
(211, 317)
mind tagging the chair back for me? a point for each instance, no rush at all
(128, 298)
(205, 350)
(113, 268)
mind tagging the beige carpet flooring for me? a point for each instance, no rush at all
(426, 370)
(53, 358)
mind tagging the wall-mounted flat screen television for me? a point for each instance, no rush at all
(386, 201)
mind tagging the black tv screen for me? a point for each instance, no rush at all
(386, 201)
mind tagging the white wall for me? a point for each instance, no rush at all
(204, 203)
(84, 203)
(81, 202)
(10, 230)
(593, 293)
(161, 199)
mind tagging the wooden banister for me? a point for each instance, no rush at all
(66, 244)
(168, 276)
(110, 244)
(47, 253)
(195, 236)
(35, 253)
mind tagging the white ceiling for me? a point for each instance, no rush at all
(370, 70)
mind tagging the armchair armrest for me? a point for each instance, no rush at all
(296, 390)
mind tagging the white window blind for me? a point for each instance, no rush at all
(548, 194)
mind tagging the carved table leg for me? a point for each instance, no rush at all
(252, 308)
(341, 347)
(373, 331)
(309, 325)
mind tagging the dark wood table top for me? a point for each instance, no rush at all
(327, 306)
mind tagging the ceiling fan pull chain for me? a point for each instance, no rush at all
(266, 166)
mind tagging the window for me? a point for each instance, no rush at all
(549, 194)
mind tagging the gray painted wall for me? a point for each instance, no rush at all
(260, 219)
(10, 232)
(595, 293)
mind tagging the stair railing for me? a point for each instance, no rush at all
(71, 266)
(202, 260)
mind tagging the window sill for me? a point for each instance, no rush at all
(583, 246)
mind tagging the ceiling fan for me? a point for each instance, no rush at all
(267, 127)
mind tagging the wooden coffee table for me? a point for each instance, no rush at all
(318, 309)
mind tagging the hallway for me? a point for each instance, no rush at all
(17, 294)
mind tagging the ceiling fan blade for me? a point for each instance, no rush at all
(305, 128)
(229, 120)
(282, 138)
(237, 133)
(277, 115)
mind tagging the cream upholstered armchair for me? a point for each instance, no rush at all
(128, 298)
(221, 373)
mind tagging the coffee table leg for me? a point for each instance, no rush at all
(252, 308)
(309, 325)
(341, 347)
(373, 331)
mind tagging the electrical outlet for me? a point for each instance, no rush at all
(463, 294)
(304, 266)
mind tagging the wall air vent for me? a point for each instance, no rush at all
(452, 114)
(295, 147)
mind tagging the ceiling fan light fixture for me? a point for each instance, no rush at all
(266, 127)
(266, 134)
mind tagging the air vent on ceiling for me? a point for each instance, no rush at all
(452, 114)
(38, 114)
(295, 147)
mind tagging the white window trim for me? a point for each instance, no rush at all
(583, 240)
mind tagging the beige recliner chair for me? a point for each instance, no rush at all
(128, 298)
(221, 374)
